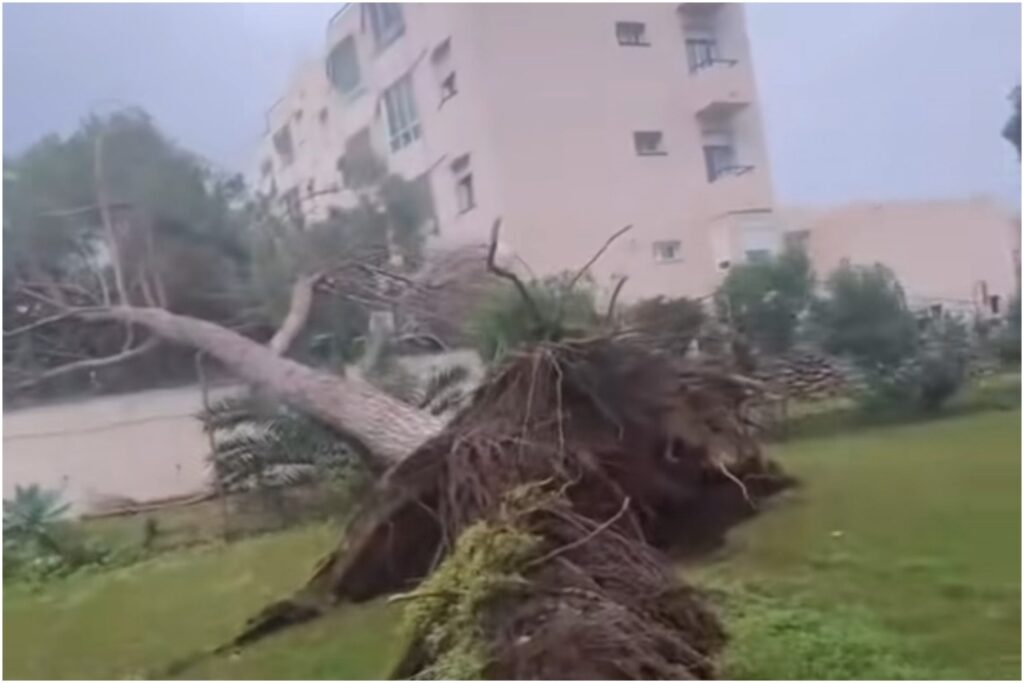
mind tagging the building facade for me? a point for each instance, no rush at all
(566, 121)
(956, 255)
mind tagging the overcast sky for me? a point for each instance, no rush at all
(859, 101)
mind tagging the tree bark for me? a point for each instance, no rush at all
(298, 314)
(387, 427)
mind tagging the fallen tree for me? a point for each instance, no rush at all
(575, 452)
(530, 519)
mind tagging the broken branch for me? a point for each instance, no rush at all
(509, 275)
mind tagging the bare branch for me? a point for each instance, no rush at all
(91, 363)
(593, 259)
(509, 275)
(615, 297)
(43, 322)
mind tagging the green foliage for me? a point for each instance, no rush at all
(764, 300)
(53, 235)
(504, 321)
(864, 315)
(1007, 338)
(674, 322)
(928, 378)
(446, 610)
(261, 444)
(38, 543)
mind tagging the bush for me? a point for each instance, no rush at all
(38, 543)
(764, 300)
(1007, 339)
(864, 315)
(926, 380)
(504, 321)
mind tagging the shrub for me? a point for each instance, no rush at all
(504, 320)
(764, 300)
(929, 377)
(1007, 339)
(864, 315)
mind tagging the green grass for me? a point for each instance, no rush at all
(908, 535)
(898, 557)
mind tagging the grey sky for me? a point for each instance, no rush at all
(859, 101)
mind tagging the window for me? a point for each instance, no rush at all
(667, 251)
(343, 66)
(266, 168)
(649, 143)
(631, 33)
(386, 23)
(719, 154)
(443, 70)
(403, 121)
(797, 239)
(283, 145)
(464, 196)
(993, 303)
(758, 255)
(323, 116)
(701, 52)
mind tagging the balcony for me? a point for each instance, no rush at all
(741, 187)
(719, 88)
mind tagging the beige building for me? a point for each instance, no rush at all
(962, 255)
(567, 121)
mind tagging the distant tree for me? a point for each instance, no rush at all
(180, 240)
(1011, 131)
(763, 300)
(864, 315)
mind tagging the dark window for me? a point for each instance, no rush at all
(343, 66)
(323, 116)
(631, 33)
(649, 143)
(283, 145)
(266, 168)
(758, 255)
(444, 72)
(386, 22)
(465, 199)
(993, 303)
(718, 160)
(667, 251)
(701, 52)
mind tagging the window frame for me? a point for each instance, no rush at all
(403, 120)
(658, 150)
(386, 28)
(622, 30)
(659, 257)
(463, 174)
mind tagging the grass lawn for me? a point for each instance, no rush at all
(900, 556)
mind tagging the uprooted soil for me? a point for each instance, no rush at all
(585, 456)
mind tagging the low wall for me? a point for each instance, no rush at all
(142, 446)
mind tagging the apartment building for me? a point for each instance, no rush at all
(567, 121)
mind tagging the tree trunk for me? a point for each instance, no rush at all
(388, 428)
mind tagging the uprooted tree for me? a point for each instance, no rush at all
(529, 521)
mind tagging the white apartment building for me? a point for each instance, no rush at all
(567, 121)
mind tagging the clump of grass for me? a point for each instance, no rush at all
(786, 639)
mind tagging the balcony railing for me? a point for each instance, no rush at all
(733, 170)
(704, 64)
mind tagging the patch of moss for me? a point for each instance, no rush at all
(445, 612)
